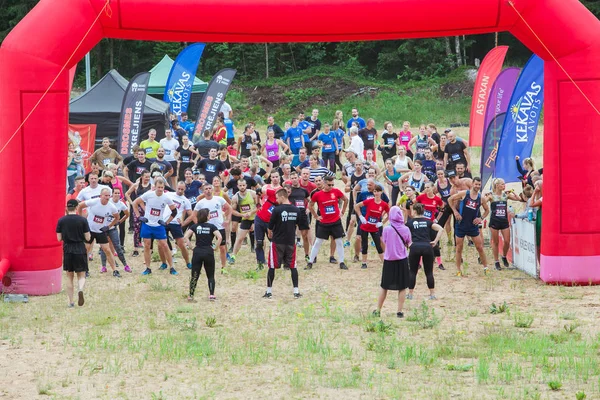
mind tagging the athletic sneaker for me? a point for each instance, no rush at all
(116, 274)
(343, 266)
(190, 299)
(308, 266)
(479, 260)
(441, 266)
(174, 251)
(355, 259)
(135, 253)
(147, 271)
(497, 266)
(87, 274)
(299, 243)
(363, 266)
(400, 314)
(212, 297)
(71, 305)
(172, 271)
(231, 259)
(376, 313)
(372, 243)
(260, 266)
(163, 266)
(267, 295)
(307, 258)
(103, 270)
(432, 297)
(332, 260)
(91, 257)
(485, 270)
(224, 271)
(459, 273)
(409, 296)
(297, 295)
(347, 243)
(189, 265)
(228, 256)
(505, 262)
(80, 300)
(127, 268)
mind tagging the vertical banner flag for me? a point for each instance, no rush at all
(132, 112)
(488, 72)
(498, 104)
(84, 138)
(212, 101)
(522, 119)
(178, 89)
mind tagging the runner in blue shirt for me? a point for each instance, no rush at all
(355, 118)
(294, 137)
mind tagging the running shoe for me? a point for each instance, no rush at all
(135, 253)
(372, 243)
(87, 274)
(355, 259)
(228, 257)
(260, 266)
(376, 313)
(231, 259)
(400, 314)
(343, 266)
(116, 274)
(224, 271)
(459, 273)
(432, 297)
(297, 295)
(308, 266)
(307, 258)
(71, 305)
(189, 265)
(479, 260)
(347, 243)
(147, 271)
(91, 257)
(127, 268)
(485, 270)
(80, 300)
(103, 270)
(363, 266)
(267, 295)
(163, 266)
(115, 254)
(190, 299)
(173, 271)
(212, 297)
(409, 296)
(505, 262)
(441, 266)
(497, 266)
(332, 260)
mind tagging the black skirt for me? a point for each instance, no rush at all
(395, 274)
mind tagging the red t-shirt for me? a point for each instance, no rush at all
(269, 201)
(431, 205)
(310, 186)
(374, 214)
(328, 204)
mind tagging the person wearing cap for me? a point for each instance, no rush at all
(74, 231)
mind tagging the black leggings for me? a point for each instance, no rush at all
(395, 194)
(418, 251)
(199, 259)
(338, 162)
(271, 277)
(364, 240)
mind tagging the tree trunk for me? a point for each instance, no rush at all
(464, 51)
(496, 39)
(294, 69)
(111, 53)
(448, 49)
(266, 61)
(458, 52)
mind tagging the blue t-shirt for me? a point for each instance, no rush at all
(362, 196)
(304, 125)
(328, 142)
(229, 126)
(361, 123)
(339, 135)
(295, 136)
(189, 128)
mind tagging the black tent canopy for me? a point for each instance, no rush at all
(101, 105)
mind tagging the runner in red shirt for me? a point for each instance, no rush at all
(330, 223)
(298, 196)
(372, 223)
(305, 183)
(263, 216)
(432, 204)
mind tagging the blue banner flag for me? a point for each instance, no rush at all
(520, 125)
(178, 89)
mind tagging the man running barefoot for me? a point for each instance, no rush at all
(99, 212)
(330, 223)
(73, 230)
(183, 218)
(465, 206)
(282, 233)
(153, 226)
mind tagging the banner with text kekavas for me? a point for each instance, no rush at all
(522, 119)
(178, 89)
(488, 72)
(212, 101)
(132, 113)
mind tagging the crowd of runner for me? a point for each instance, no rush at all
(232, 191)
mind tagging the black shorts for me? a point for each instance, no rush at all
(246, 224)
(499, 225)
(223, 237)
(100, 238)
(282, 254)
(230, 141)
(174, 165)
(175, 230)
(235, 218)
(75, 262)
(324, 231)
(303, 223)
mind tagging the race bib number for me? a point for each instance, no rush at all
(405, 138)
(271, 209)
(472, 204)
(211, 168)
(427, 214)
(297, 140)
(271, 153)
(139, 170)
(370, 137)
(300, 203)
(193, 200)
(148, 150)
(248, 146)
(185, 158)
(501, 212)
(177, 204)
(245, 208)
(329, 210)
(155, 212)
(455, 157)
(106, 161)
(167, 152)
(372, 220)
(213, 215)
(328, 147)
(390, 141)
(98, 219)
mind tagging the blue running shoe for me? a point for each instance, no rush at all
(163, 266)
(189, 265)
(172, 271)
(347, 243)
(147, 271)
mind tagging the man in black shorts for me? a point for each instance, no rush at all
(298, 196)
(73, 230)
(282, 233)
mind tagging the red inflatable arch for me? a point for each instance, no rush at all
(32, 166)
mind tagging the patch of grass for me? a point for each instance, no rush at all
(158, 286)
(251, 274)
(44, 389)
(184, 324)
(523, 320)
(424, 316)
(459, 367)
(379, 327)
(211, 321)
(580, 395)
(555, 385)
(499, 309)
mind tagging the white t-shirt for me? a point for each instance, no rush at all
(215, 210)
(99, 215)
(88, 193)
(181, 204)
(226, 109)
(120, 207)
(155, 206)
(170, 146)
